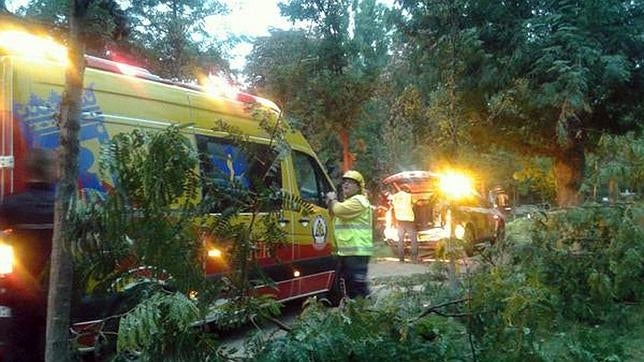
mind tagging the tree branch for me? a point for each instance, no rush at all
(434, 309)
(279, 324)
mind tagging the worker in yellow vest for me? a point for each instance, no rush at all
(404, 214)
(353, 233)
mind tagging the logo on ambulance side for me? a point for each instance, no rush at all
(319, 231)
(40, 128)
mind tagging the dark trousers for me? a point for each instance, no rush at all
(409, 228)
(352, 270)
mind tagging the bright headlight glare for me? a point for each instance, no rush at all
(459, 231)
(6, 259)
(456, 186)
(214, 253)
(26, 44)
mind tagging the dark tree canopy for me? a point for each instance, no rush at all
(172, 34)
(323, 76)
(166, 36)
(537, 77)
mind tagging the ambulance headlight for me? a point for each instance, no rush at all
(6, 259)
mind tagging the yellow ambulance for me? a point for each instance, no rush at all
(119, 98)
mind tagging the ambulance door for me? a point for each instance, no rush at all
(252, 166)
(313, 233)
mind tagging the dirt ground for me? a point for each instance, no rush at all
(379, 267)
(386, 267)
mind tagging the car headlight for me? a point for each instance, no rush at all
(6, 259)
(456, 186)
(459, 231)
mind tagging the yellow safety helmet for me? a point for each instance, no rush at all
(355, 176)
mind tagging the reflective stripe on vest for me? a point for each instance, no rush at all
(353, 236)
(352, 226)
(355, 250)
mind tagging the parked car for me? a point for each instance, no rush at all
(474, 218)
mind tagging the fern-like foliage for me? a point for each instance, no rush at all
(143, 242)
(359, 332)
(141, 237)
(146, 218)
(258, 232)
(557, 289)
(559, 283)
(160, 327)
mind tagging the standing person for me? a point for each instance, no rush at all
(353, 233)
(404, 214)
(30, 214)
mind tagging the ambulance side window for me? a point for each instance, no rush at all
(312, 183)
(252, 166)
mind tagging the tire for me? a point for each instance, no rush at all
(333, 296)
(500, 233)
(469, 240)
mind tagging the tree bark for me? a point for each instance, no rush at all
(347, 159)
(568, 168)
(613, 190)
(61, 274)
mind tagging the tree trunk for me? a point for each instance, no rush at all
(347, 159)
(61, 274)
(568, 167)
(613, 190)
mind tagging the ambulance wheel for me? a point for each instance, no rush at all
(333, 297)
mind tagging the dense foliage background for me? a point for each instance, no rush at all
(564, 286)
(541, 97)
(525, 96)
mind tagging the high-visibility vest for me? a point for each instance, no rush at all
(402, 206)
(354, 236)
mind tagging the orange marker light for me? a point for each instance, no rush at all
(214, 253)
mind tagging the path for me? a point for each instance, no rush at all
(387, 267)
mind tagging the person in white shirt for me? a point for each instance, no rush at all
(404, 215)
